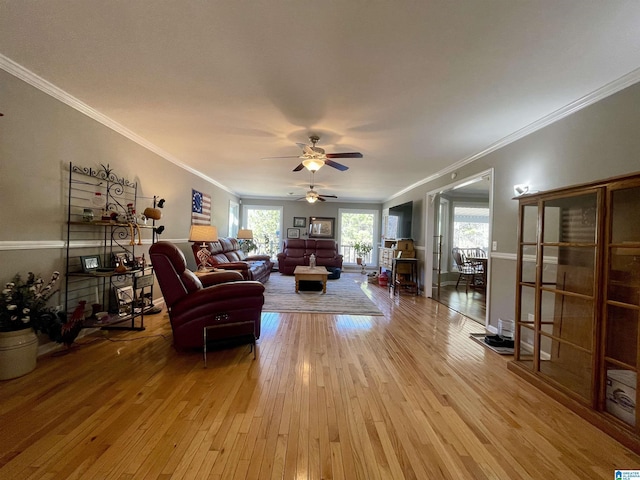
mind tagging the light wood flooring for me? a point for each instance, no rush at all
(406, 395)
(471, 303)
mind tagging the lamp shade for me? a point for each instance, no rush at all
(312, 164)
(245, 234)
(203, 233)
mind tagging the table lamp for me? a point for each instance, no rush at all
(203, 234)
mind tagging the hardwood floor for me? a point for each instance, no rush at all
(471, 303)
(403, 396)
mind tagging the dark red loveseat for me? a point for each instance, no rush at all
(297, 251)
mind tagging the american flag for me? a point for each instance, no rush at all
(200, 208)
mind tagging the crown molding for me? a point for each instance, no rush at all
(43, 85)
(589, 99)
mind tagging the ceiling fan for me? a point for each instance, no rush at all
(313, 157)
(312, 196)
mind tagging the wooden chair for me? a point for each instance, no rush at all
(466, 269)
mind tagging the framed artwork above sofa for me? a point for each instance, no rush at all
(322, 227)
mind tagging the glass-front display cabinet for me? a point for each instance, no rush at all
(621, 303)
(578, 300)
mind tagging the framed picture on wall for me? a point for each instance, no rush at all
(293, 233)
(321, 227)
(299, 222)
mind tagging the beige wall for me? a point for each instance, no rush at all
(597, 142)
(39, 136)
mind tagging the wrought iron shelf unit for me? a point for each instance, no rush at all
(103, 232)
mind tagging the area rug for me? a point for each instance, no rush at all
(344, 296)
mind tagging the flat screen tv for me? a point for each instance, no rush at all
(399, 225)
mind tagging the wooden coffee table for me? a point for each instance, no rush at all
(318, 274)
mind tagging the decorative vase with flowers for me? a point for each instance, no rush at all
(23, 313)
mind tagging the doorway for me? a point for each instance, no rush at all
(459, 221)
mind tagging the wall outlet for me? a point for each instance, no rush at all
(494, 245)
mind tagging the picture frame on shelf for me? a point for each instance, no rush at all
(322, 227)
(125, 297)
(293, 233)
(121, 258)
(90, 263)
(299, 222)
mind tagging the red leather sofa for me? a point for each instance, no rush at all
(226, 254)
(297, 251)
(219, 299)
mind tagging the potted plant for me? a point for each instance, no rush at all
(362, 249)
(23, 313)
(248, 245)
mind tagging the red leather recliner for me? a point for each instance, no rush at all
(225, 300)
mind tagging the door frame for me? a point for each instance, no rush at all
(429, 222)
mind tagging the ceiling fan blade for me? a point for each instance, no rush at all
(321, 199)
(344, 155)
(298, 168)
(337, 165)
(328, 196)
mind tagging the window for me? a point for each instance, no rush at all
(234, 220)
(357, 226)
(266, 224)
(471, 227)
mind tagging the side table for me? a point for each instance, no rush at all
(410, 284)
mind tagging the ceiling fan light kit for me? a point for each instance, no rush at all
(313, 159)
(312, 164)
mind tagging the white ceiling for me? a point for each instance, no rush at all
(416, 86)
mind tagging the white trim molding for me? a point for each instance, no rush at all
(60, 244)
(31, 245)
(589, 99)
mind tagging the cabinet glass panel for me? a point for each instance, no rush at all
(571, 219)
(567, 365)
(530, 223)
(625, 206)
(572, 269)
(621, 394)
(624, 276)
(525, 355)
(549, 267)
(622, 334)
(568, 318)
(529, 264)
(527, 304)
